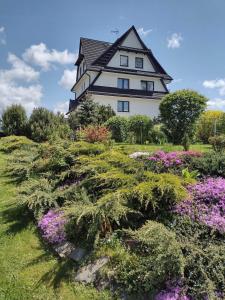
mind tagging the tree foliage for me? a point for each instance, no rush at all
(90, 113)
(140, 126)
(14, 120)
(119, 128)
(209, 124)
(179, 112)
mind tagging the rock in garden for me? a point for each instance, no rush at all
(88, 273)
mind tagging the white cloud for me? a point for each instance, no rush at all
(41, 56)
(217, 104)
(174, 41)
(216, 84)
(143, 32)
(11, 90)
(62, 107)
(68, 78)
(2, 35)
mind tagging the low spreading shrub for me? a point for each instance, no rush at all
(93, 134)
(158, 258)
(13, 142)
(218, 143)
(52, 226)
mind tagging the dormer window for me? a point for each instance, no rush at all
(139, 62)
(123, 61)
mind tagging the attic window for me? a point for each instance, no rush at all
(123, 61)
(139, 62)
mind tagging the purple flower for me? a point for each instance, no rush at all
(207, 203)
(172, 293)
(52, 226)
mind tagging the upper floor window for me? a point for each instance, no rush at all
(123, 83)
(123, 106)
(147, 85)
(139, 62)
(123, 61)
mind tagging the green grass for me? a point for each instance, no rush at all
(130, 148)
(28, 269)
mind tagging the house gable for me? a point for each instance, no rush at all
(132, 41)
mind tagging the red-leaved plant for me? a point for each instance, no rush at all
(94, 134)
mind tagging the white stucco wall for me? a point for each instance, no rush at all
(115, 61)
(79, 87)
(138, 106)
(110, 79)
(132, 41)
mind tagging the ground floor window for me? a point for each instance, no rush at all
(123, 106)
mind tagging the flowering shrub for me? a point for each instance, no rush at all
(207, 204)
(94, 134)
(161, 161)
(52, 226)
(172, 293)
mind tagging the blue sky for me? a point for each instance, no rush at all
(39, 42)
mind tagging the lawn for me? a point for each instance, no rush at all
(28, 269)
(130, 148)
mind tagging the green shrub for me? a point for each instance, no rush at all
(158, 258)
(119, 128)
(204, 254)
(157, 136)
(14, 120)
(140, 126)
(12, 143)
(210, 164)
(159, 193)
(37, 195)
(218, 143)
(85, 148)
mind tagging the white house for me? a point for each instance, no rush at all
(124, 74)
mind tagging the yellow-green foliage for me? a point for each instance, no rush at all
(159, 191)
(91, 165)
(120, 160)
(210, 121)
(114, 179)
(84, 148)
(11, 143)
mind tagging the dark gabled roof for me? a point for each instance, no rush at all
(98, 53)
(91, 50)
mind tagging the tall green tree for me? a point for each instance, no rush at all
(41, 124)
(90, 113)
(14, 120)
(179, 113)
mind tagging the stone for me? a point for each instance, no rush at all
(87, 274)
(77, 254)
(64, 249)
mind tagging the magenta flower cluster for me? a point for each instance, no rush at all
(206, 203)
(172, 159)
(52, 226)
(172, 293)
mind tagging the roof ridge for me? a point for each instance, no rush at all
(84, 38)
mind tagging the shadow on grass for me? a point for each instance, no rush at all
(16, 217)
(62, 271)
